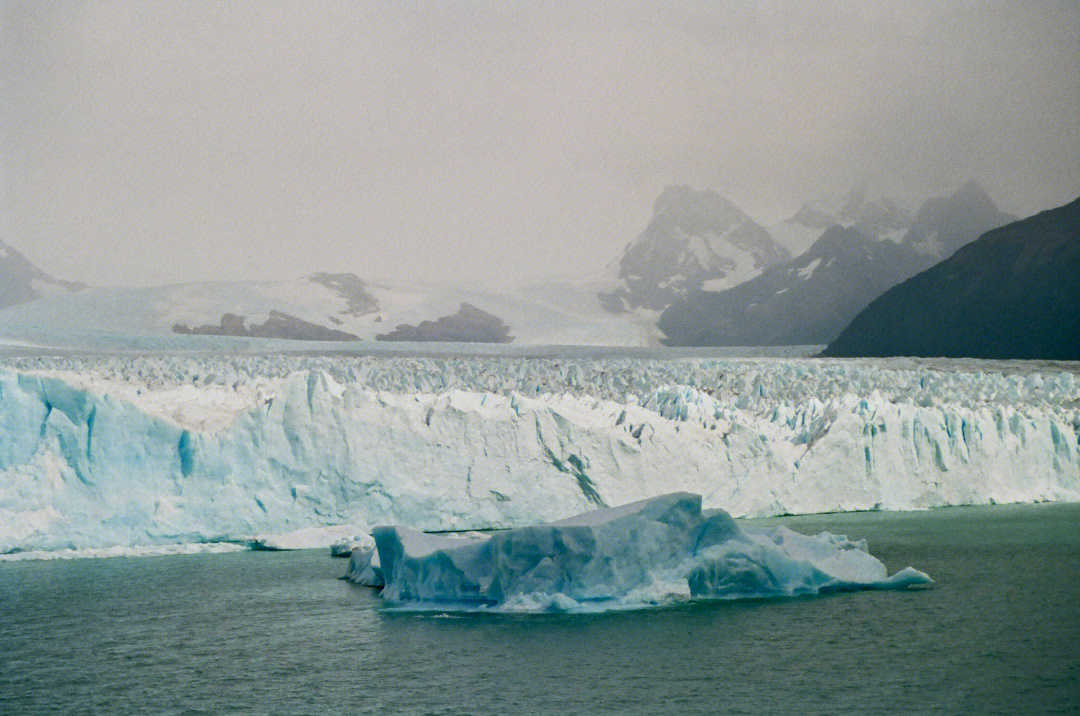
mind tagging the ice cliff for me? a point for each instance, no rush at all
(656, 551)
(135, 452)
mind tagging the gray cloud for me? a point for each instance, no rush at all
(153, 142)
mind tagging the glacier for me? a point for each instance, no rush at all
(125, 451)
(648, 553)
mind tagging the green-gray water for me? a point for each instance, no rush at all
(257, 632)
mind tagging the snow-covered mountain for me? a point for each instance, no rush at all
(22, 281)
(807, 300)
(811, 298)
(874, 216)
(696, 244)
(696, 239)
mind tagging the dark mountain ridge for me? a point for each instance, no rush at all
(277, 325)
(807, 300)
(1013, 293)
(468, 325)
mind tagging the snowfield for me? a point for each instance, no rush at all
(135, 452)
(541, 314)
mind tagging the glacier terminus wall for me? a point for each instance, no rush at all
(100, 452)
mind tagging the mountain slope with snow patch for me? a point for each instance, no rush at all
(807, 300)
(696, 239)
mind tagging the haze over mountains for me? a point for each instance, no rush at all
(875, 216)
(307, 308)
(701, 273)
(945, 224)
(803, 301)
(21, 281)
(809, 299)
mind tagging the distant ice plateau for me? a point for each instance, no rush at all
(113, 452)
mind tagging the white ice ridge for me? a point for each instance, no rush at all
(653, 552)
(129, 452)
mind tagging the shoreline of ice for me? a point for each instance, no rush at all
(330, 538)
(161, 550)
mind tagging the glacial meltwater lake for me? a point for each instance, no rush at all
(259, 632)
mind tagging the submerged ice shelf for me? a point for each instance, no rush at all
(652, 552)
(101, 452)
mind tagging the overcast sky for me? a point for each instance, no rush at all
(148, 142)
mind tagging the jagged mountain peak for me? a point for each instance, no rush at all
(873, 214)
(944, 224)
(812, 217)
(970, 195)
(696, 239)
(684, 203)
(973, 191)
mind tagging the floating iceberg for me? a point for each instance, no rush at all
(646, 553)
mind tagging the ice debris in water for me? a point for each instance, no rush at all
(656, 551)
(307, 538)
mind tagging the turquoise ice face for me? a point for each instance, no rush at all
(103, 452)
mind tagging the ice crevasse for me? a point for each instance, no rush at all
(123, 453)
(653, 552)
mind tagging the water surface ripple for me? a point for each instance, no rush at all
(280, 633)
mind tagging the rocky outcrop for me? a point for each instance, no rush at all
(468, 325)
(277, 325)
(358, 300)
